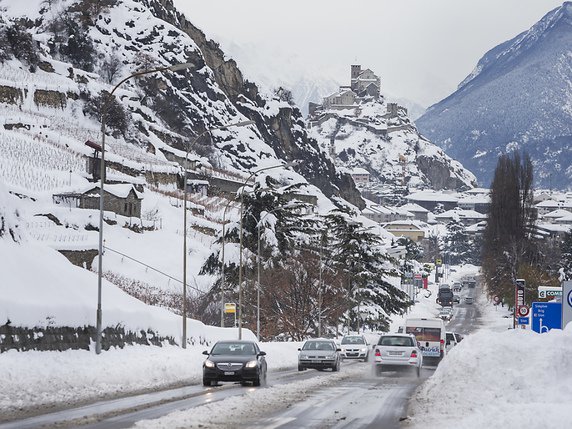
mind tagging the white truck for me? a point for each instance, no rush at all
(430, 334)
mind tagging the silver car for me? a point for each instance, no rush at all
(395, 351)
(319, 354)
(354, 347)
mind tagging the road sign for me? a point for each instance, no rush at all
(549, 292)
(523, 310)
(438, 262)
(523, 321)
(566, 303)
(546, 316)
(229, 307)
(496, 299)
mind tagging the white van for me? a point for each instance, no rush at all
(430, 334)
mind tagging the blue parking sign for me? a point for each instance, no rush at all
(546, 316)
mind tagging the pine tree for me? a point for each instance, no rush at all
(457, 244)
(366, 268)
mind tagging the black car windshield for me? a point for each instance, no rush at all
(396, 341)
(318, 345)
(353, 340)
(237, 349)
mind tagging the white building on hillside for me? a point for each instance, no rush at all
(360, 176)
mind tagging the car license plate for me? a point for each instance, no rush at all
(395, 353)
(316, 361)
(229, 373)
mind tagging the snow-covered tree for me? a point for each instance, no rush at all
(365, 268)
(457, 244)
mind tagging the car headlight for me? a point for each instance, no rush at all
(364, 350)
(251, 364)
(209, 364)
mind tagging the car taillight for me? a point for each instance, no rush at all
(377, 352)
(414, 354)
(442, 344)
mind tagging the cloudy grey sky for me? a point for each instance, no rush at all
(422, 49)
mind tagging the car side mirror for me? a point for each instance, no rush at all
(373, 346)
(262, 354)
(206, 352)
(448, 343)
(299, 349)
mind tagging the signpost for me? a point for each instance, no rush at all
(523, 321)
(518, 297)
(566, 303)
(546, 316)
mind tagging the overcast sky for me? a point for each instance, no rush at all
(422, 49)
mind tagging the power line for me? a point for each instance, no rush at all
(154, 269)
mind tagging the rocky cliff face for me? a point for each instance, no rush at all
(517, 98)
(385, 142)
(74, 54)
(283, 128)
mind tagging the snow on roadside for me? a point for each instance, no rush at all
(31, 379)
(252, 404)
(512, 378)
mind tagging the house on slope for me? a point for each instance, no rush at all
(407, 229)
(419, 212)
(360, 176)
(548, 206)
(478, 202)
(466, 217)
(431, 200)
(121, 199)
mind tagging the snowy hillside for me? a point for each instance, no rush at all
(60, 61)
(388, 146)
(53, 73)
(517, 98)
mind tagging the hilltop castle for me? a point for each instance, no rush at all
(363, 84)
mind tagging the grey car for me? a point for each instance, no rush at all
(319, 354)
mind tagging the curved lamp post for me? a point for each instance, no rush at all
(288, 164)
(195, 140)
(175, 67)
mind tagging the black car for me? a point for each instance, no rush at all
(234, 361)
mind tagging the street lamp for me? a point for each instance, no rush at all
(289, 164)
(104, 108)
(208, 130)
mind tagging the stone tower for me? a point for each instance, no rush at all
(356, 70)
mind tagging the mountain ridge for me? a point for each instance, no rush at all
(519, 97)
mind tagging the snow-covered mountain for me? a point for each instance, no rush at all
(59, 61)
(380, 138)
(519, 97)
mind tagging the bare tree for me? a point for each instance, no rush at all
(111, 68)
